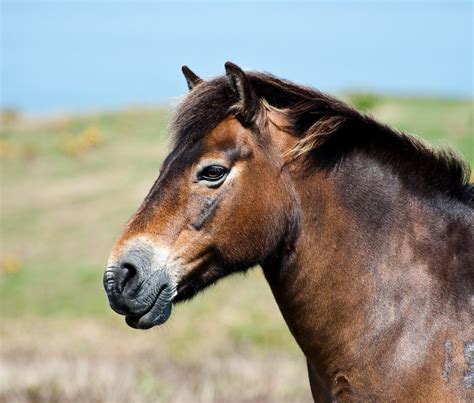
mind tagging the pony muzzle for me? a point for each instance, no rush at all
(139, 291)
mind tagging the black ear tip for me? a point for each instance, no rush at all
(191, 78)
(231, 67)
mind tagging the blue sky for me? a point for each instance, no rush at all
(66, 56)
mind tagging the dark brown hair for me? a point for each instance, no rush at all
(327, 129)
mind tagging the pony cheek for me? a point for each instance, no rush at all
(250, 241)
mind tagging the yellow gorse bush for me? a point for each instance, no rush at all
(10, 264)
(5, 149)
(91, 137)
(75, 145)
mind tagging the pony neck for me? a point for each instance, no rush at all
(339, 285)
(323, 287)
(312, 285)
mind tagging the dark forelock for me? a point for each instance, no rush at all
(200, 111)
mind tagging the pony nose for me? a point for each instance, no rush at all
(117, 280)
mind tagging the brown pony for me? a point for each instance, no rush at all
(365, 235)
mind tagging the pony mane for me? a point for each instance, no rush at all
(327, 130)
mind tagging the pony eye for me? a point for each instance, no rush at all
(212, 173)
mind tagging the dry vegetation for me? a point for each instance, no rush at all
(68, 185)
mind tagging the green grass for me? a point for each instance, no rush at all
(53, 291)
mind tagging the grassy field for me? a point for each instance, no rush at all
(68, 186)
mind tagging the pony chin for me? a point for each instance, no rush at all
(158, 314)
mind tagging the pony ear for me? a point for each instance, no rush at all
(240, 88)
(191, 78)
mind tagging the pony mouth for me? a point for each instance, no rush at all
(145, 298)
(157, 313)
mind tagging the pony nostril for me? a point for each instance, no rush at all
(126, 274)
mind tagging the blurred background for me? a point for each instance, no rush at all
(87, 91)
